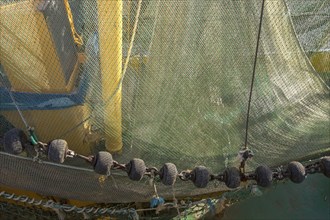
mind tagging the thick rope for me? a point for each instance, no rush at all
(253, 76)
(131, 213)
(76, 37)
(66, 207)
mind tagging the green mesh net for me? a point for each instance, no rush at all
(164, 81)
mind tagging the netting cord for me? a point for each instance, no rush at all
(76, 37)
(253, 76)
(124, 69)
(154, 26)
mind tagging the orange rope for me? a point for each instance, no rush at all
(76, 37)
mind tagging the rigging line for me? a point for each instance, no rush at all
(18, 110)
(124, 71)
(76, 37)
(64, 134)
(132, 39)
(14, 101)
(253, 75)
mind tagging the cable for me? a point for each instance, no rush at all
(253, 76)
(32, 135)
(14, 101)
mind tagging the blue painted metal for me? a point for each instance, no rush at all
(41, 101)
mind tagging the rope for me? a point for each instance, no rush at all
(64, 134)
(14, 101)
(76, 37)
(132, 39)
(17, 108)
(253, 76)
(32, 135)
(66, 207)
(124, 69)
(130, 212)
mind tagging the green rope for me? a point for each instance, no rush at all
(33, 136)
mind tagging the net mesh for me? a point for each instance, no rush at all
(311, 24)
(181, 98)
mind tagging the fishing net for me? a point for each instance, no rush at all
(311, 23)
(164, 81)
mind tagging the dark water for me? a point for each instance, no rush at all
(308, 200)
